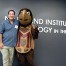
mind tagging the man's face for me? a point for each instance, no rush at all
(11, 15)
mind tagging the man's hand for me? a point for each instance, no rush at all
(1, 45)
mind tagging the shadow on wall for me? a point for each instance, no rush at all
(1, 60)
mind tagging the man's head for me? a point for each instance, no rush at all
(11, 14)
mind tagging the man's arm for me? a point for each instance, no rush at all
(1, 43)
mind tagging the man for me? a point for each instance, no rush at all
(8, 38)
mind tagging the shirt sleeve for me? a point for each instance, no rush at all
(2, 28)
